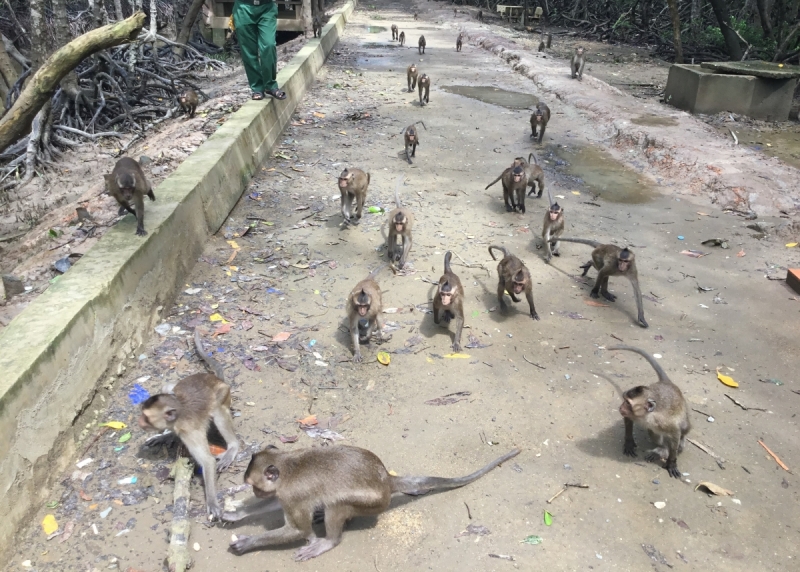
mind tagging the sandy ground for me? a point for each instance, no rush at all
(282, 265)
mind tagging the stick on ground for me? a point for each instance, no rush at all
(178, 558)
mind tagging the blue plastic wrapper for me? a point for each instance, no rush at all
(138, 394)
(273, 291)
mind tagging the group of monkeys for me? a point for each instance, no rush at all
(335, 484)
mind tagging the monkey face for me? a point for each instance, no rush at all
(518, 287)
(363, 309)
(580, 51)
(399, 227)
(343, 182)
(625, 409)
(554, 214)
(622, 265)
(446, 298)
(127, 193)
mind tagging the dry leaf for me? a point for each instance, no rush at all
(714, 489)
(281, 336)
(741, 253)
(457, 356)
(596, 304)
(727, 380)
(310, 420)
(223, 329)
(318, 114)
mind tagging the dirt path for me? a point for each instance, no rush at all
(292, 271)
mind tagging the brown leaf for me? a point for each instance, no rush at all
(222, 329)
(741, 253)
(246, 325)
(84, 495)
(596, 304)
(288, 438)
(281, 337)
(288, 366)
(308, 421)
(714, 489)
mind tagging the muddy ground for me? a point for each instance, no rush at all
(282, 266)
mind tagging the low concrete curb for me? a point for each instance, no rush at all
(54, 354)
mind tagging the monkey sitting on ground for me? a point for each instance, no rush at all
(421, 45)
(515, 182)
(318, 26)
(611, 260)
(661, 409)
(514, 278)
(402, 39)
(415, 15)
(539, 120)
(364, 304)
(541, 46)
(188, 101)
(127, 184)
(187, 411)
(459, 41)
(552, 229)
(424, 85)
(577, 63)
(534, 172)
(394, 32)
(411, 76)
(480, 16)
(345, 481)
(401, 221)
(448, 302)
(411, 139)
(353, 184)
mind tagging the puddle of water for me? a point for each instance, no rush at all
(654, 120)
(604, 175)
(430, 29)
(376, 29)
(783, 145)
(494, 95)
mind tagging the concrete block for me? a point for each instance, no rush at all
(793, 279)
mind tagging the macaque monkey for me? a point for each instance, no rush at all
(515, 183)
(514, 278)
(347, 481)
(541, 46)
(364, 304)
(539, 120)
(448, 302)
(194, 402)
(127, 184)
(353, 184)
(318, 26)
(394, 32)
(611, 260)
(402, 39)
(411, 76)
(401, 221)
(577, 63)
(455, 12)
(424, 85)
(480, 15)
(421, 45)
(411, 136)
(549, 38)
(659, 408)
(415, 15)
(459, 41)
(188, 101)
(535, 173)
(553, 228)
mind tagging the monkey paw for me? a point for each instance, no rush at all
(673, 471)
(242, 545)
(357, 357)
(652, 457)
(214, 511)
(643, 323)
(556, 254)
(456, 347)
(609, 296)
(141, 232)
(629, 449)
(534, 315)
(594, 294)
(313, 549)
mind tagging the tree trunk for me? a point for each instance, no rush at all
(763, 15)
(720, 8)
(696, 17)
(676, 30)
(61, 22)
(306, 12)
(8, 74)
(46, 80)
(38, 34)
(186, 26)
(118, 10)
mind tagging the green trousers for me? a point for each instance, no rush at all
(255, 30)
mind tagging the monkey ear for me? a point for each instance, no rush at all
(108, 178)
(170, 414)
(651, 405)
(272, 473)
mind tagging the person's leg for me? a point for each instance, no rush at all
(267, 48)
(247, 34)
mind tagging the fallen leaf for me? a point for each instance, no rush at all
(84, 496)
(49, 524)
(548, 519)
(247, 325)
(576, 192)
(727, 380)
(308, 421)
(342, 132)
(457, 356)
(125, 438)
(384, 358)
(114, 425)
(217, 317)
(234, 245)
(532, 539)
(791, 245)
(450, 398)
(287, 365)
(223, 329)
(288, 438)
(281, 336)
(68, 530)
(740, 253)
(714, 489)
(318, 114)
(596, 304)
(694, 253)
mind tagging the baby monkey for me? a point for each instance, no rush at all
(421, 45)
(411, 137)
(448, 302)
(195, 401)
(402, 39)
(577, 63)
(539, 120)
(394, 32)
(611, 260)
(345, 481)
(188, 101)
(401, 220)
(459, 41)
(127, 184)
(514, 278)
(411, 76)
(553, 228)
(364, 305)
(353, 184)
(661, 409)
(424, 85)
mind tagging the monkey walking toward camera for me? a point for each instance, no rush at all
(514, 278)
(127, 184)
(552, 229)
(424, 86)
(459, 41)
(515, 182)
(353, 184)
(188, 101)
(539, 121)
(534, 172)
(345, 481)
(411, 76)
(364, 312)
(577, 63)
(401, 220)
(402, 39)
(195, 401)
(611, 260)
(394, 32)
(317, 24)
(421, 45)
(448, 302)
(411, 139)
(661, 409)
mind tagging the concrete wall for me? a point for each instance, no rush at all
(55, 354)
(699, 90)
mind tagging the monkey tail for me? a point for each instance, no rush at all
(416, 486)
(549, 197)
(447, 256)
(500, 248)
(213, 365)
(662, 375)
(399, 182)
(592, 243)
(532, 156)
(423, 125)
(493, 182)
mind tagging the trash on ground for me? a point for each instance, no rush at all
(659, 504)
(113, 425)
(138, 394)
(315, 432)
(774, 456)
(532, 539)
(741, 253)
(49, 524)
(125, 438)
(694, 253)
(727, 380)
(475, 343)
(163, 329)
(772, 380)
(288, 438)
(384, 358)
(474, 529)
(281, 336)
(721, 242)
(791, 244)
(450, 398)
(457, 356)
(502, 556)
(82, 464)
(714, 489)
